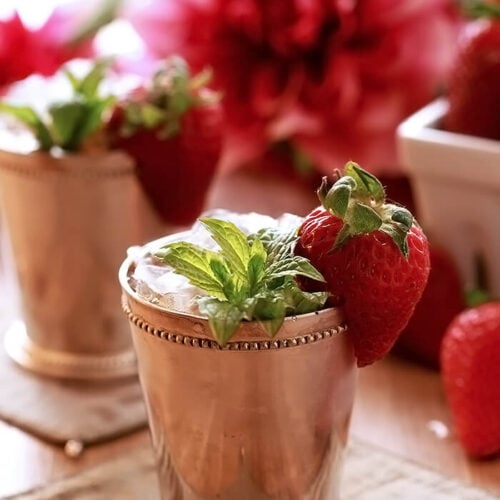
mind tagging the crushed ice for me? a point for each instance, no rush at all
(157, 283)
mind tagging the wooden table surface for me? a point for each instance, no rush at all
(399, 407)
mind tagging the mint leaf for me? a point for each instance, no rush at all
(256, 265)
(88, 86)
(294, 266)
(277, 242)
(302, 302)
(249, 277)
(270, 310)
(223, 317)
(70, 122)
(196, 264)
(233, 243)
(30, 118)
(271, 326)
(66, 119)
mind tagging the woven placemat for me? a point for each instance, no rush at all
(62, 412)
(369, 474)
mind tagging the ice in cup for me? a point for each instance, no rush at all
(260, 417)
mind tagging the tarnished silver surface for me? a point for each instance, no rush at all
(70, 219)
(267, 422)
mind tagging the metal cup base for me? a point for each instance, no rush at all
(20, 348)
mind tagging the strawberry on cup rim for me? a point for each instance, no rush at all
(373, 255)
(356, 252)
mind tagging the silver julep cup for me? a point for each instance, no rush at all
(69, 220)
(261, 419)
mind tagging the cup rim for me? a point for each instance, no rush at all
(127, 289)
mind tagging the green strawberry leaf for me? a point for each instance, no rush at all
(403, 216)
(358, 199)
(477, 9)
(338, 198)
(363, 219)
(398, 234)
(367, 185)
(476, 296)
(149, 115)
(249, 278)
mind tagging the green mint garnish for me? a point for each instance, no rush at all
(67, 124)
(248, 278)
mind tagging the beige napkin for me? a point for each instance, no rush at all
(58, 412)
(369, 474)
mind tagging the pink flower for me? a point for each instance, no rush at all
(336, 77)
(24, 51)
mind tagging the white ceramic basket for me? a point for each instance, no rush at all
(457, 187)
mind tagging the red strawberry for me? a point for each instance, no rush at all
(473, 89)
(470, 361)
(442, 300)
(374, 258)
(172, 129)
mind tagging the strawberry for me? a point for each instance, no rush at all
(172, 128)
(470, 361)
(441, 301)
(373, 256)
(474, 83)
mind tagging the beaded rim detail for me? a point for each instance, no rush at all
(250, 345)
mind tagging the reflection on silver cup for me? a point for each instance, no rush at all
(258, 419)
(70, 219)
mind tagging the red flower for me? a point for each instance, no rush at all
(334, 76)
(24, 51)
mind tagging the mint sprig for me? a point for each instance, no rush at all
(248, 278)
(67, 124)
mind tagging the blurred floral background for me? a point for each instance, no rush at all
(306, 85)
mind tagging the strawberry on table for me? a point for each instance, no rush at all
(172, 128)
(470, 361)
(474, 84)
(373, 256)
